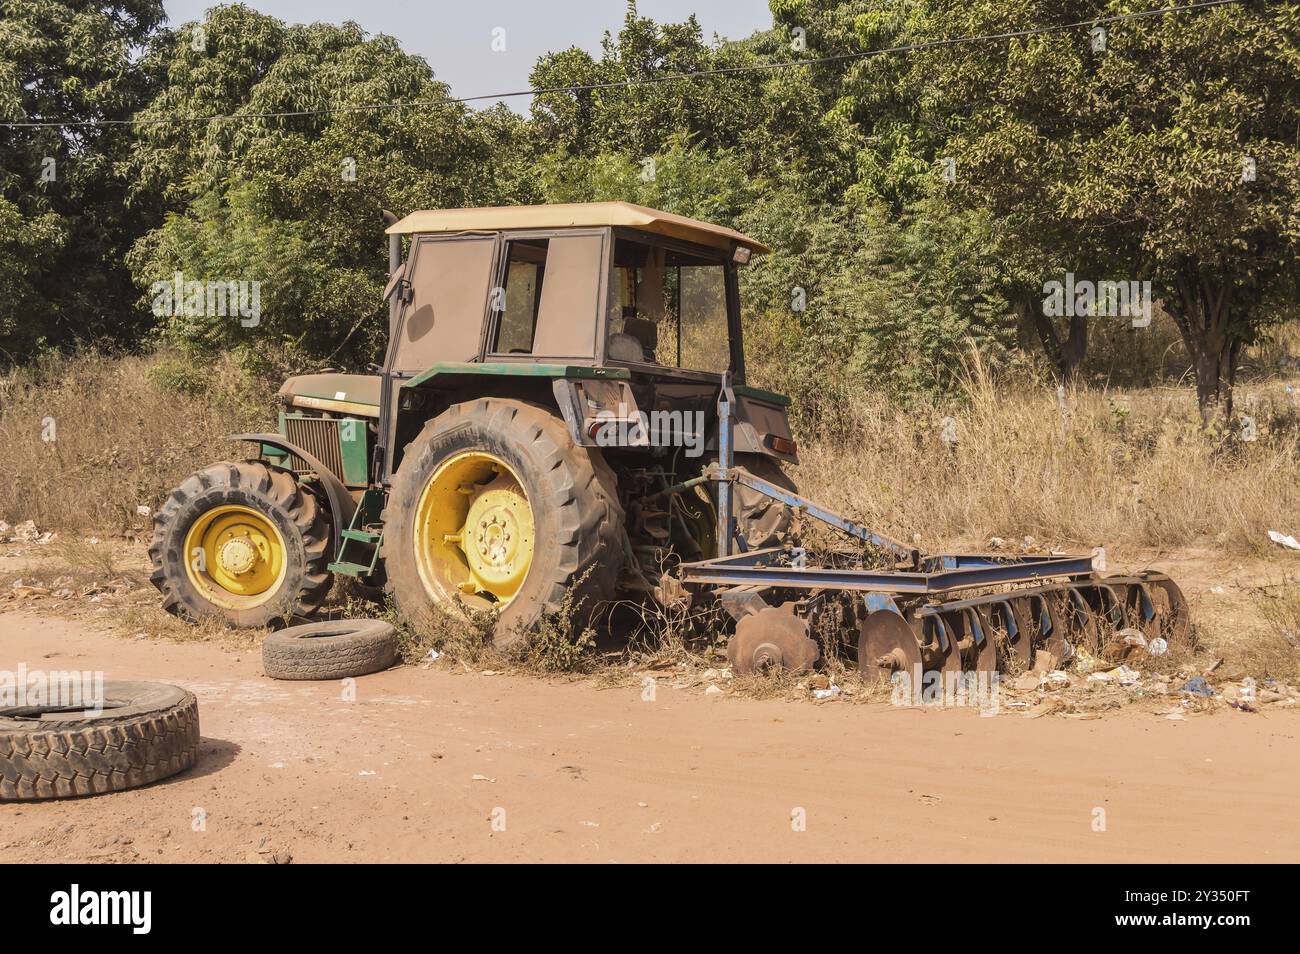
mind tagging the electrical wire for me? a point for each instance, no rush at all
(628, 83)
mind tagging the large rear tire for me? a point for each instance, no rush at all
(495, 507)
(241, 541)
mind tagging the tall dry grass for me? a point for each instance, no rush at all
(1118, 468)
(90, 438)
(1091, 468)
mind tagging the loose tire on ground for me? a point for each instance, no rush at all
(576, 520)
(147, 731)
(335, 649)
(285, 558)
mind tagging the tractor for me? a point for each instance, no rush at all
(563, 411)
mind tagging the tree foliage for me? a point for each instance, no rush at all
(293, 202)
(1119, 163)
(65, 225)
(1164, 153)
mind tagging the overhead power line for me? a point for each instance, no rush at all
(642, 81)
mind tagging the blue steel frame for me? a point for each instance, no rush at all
(939, 573)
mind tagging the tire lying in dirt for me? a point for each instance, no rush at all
(145, 732)
(241, 541)
(495, 507)
(334, 649)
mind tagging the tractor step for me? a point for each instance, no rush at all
(358, 553)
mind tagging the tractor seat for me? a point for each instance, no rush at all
(345, 393)
(638, 341)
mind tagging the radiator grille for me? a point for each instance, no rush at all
(319, 437)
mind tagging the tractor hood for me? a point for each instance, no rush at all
(340, 393)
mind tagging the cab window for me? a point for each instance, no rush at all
(668, 307)
(518, 300)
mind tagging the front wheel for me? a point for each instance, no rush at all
(243, 542)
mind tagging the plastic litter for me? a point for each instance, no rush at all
(1248, 690)
(1198, 686)
(1290, 542)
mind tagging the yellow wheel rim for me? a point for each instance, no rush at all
(235, 556)
(474, 530)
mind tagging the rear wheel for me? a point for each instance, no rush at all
(495, 507)
(241, 541)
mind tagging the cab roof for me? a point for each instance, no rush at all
(576, 214)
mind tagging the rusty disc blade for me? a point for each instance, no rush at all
(1053, 646)
(1080, 620)
(886, 645)
(949, 659)
(993, 630)
(1133, 604)
(772, 639)
(1172, 618)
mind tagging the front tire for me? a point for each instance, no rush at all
(243, 542)
(495, 507)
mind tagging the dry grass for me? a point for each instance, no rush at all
(1277, 653)
(88, 440)
(1129, 470)
(1091, 468)
(106, 585)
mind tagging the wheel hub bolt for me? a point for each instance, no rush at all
(238, 555)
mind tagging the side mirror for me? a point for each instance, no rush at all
(399, 285)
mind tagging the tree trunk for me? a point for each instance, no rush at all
(1201, 309)
(1066, 356)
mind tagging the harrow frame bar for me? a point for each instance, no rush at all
(940, 573)
(786, 568)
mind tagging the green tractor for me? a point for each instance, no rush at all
(544, 419)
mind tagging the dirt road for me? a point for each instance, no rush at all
(423, 762)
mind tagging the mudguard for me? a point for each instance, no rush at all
(342, 506)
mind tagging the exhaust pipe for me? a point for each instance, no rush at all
(394, 263)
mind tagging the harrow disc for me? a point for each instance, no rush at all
(772, 639)
(1048, 633)
(990, 625)
(1081, 625)
(886, 645)
(959, 639)
(1172, 619)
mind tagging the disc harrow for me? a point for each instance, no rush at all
(947, 613)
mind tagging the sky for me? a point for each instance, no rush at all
(457, 38)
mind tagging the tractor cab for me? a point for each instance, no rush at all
(606, 310)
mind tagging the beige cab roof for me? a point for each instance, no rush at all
(588, 214)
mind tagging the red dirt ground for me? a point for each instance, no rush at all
(419, 765)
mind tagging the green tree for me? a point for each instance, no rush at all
(293, 202)
(1165, 153)
(771, 121)
(64, 225)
